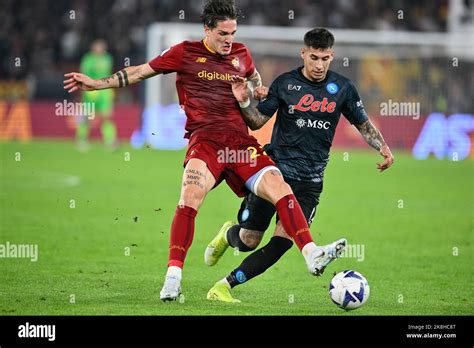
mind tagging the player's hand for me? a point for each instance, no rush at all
(78, 81)
(260, 93)
(240, 89)
(387, 154)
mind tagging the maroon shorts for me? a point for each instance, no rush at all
(229, 155)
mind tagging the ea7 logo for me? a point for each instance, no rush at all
(37, 331)
(293, 87)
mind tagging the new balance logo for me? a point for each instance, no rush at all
(201, 60)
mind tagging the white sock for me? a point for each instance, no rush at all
(174, 271)
(225, 282)
(307, 251)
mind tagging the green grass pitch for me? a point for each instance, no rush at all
(101, 224)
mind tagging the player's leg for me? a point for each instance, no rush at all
(274, 189)
(265, 180)
(259, 261)
(253, 265)
(197, 182)
(271, 186)
(84, 121)
(82, 134)
(262, 259)
(254, 217)
(109, 132)
(104, 108)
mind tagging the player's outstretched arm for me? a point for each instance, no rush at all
(127, 76)
(374, 138)
(252, 117)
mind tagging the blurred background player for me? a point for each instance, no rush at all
(97, 63)
(309, 101)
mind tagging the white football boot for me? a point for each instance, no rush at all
(322, 256)
(171, 289)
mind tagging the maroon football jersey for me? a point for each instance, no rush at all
(204, 86)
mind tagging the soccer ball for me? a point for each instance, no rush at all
(349, 289)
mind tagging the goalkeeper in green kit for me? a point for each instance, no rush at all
(97, 63)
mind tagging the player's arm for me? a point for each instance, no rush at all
(127, 76)
(252, 116)
(374, 138)
(256, 86)
(255, 79)
(354, 111)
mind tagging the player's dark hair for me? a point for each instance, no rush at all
(319, 38)
(219, 10)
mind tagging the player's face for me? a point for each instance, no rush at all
(316, 62)
(220, 38)
(99, 47)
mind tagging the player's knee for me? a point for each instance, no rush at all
(251, 238)
(278, 190)
(192, 197)
(272, 186)
(284, 189)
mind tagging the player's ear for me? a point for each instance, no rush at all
(302, 52)
(207, 30)
(332, 55)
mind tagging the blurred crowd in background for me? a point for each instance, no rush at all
(48, 48)
(73, 25)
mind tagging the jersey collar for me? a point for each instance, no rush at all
(300, 73)
(207, 47)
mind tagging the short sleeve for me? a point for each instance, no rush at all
(170, 60)
(353, 109)
(270, 105)
(250, 67)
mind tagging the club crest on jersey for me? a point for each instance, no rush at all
(235, 62)
(293, 87)
(332, 88)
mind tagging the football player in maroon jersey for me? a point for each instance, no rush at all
(205, 70)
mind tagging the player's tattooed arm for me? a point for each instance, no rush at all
(256, 79)
(374, 138)
(123, 78)
(258, 89)
(371, 135)
(119, 79)
(127, 76)
(254, 118)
